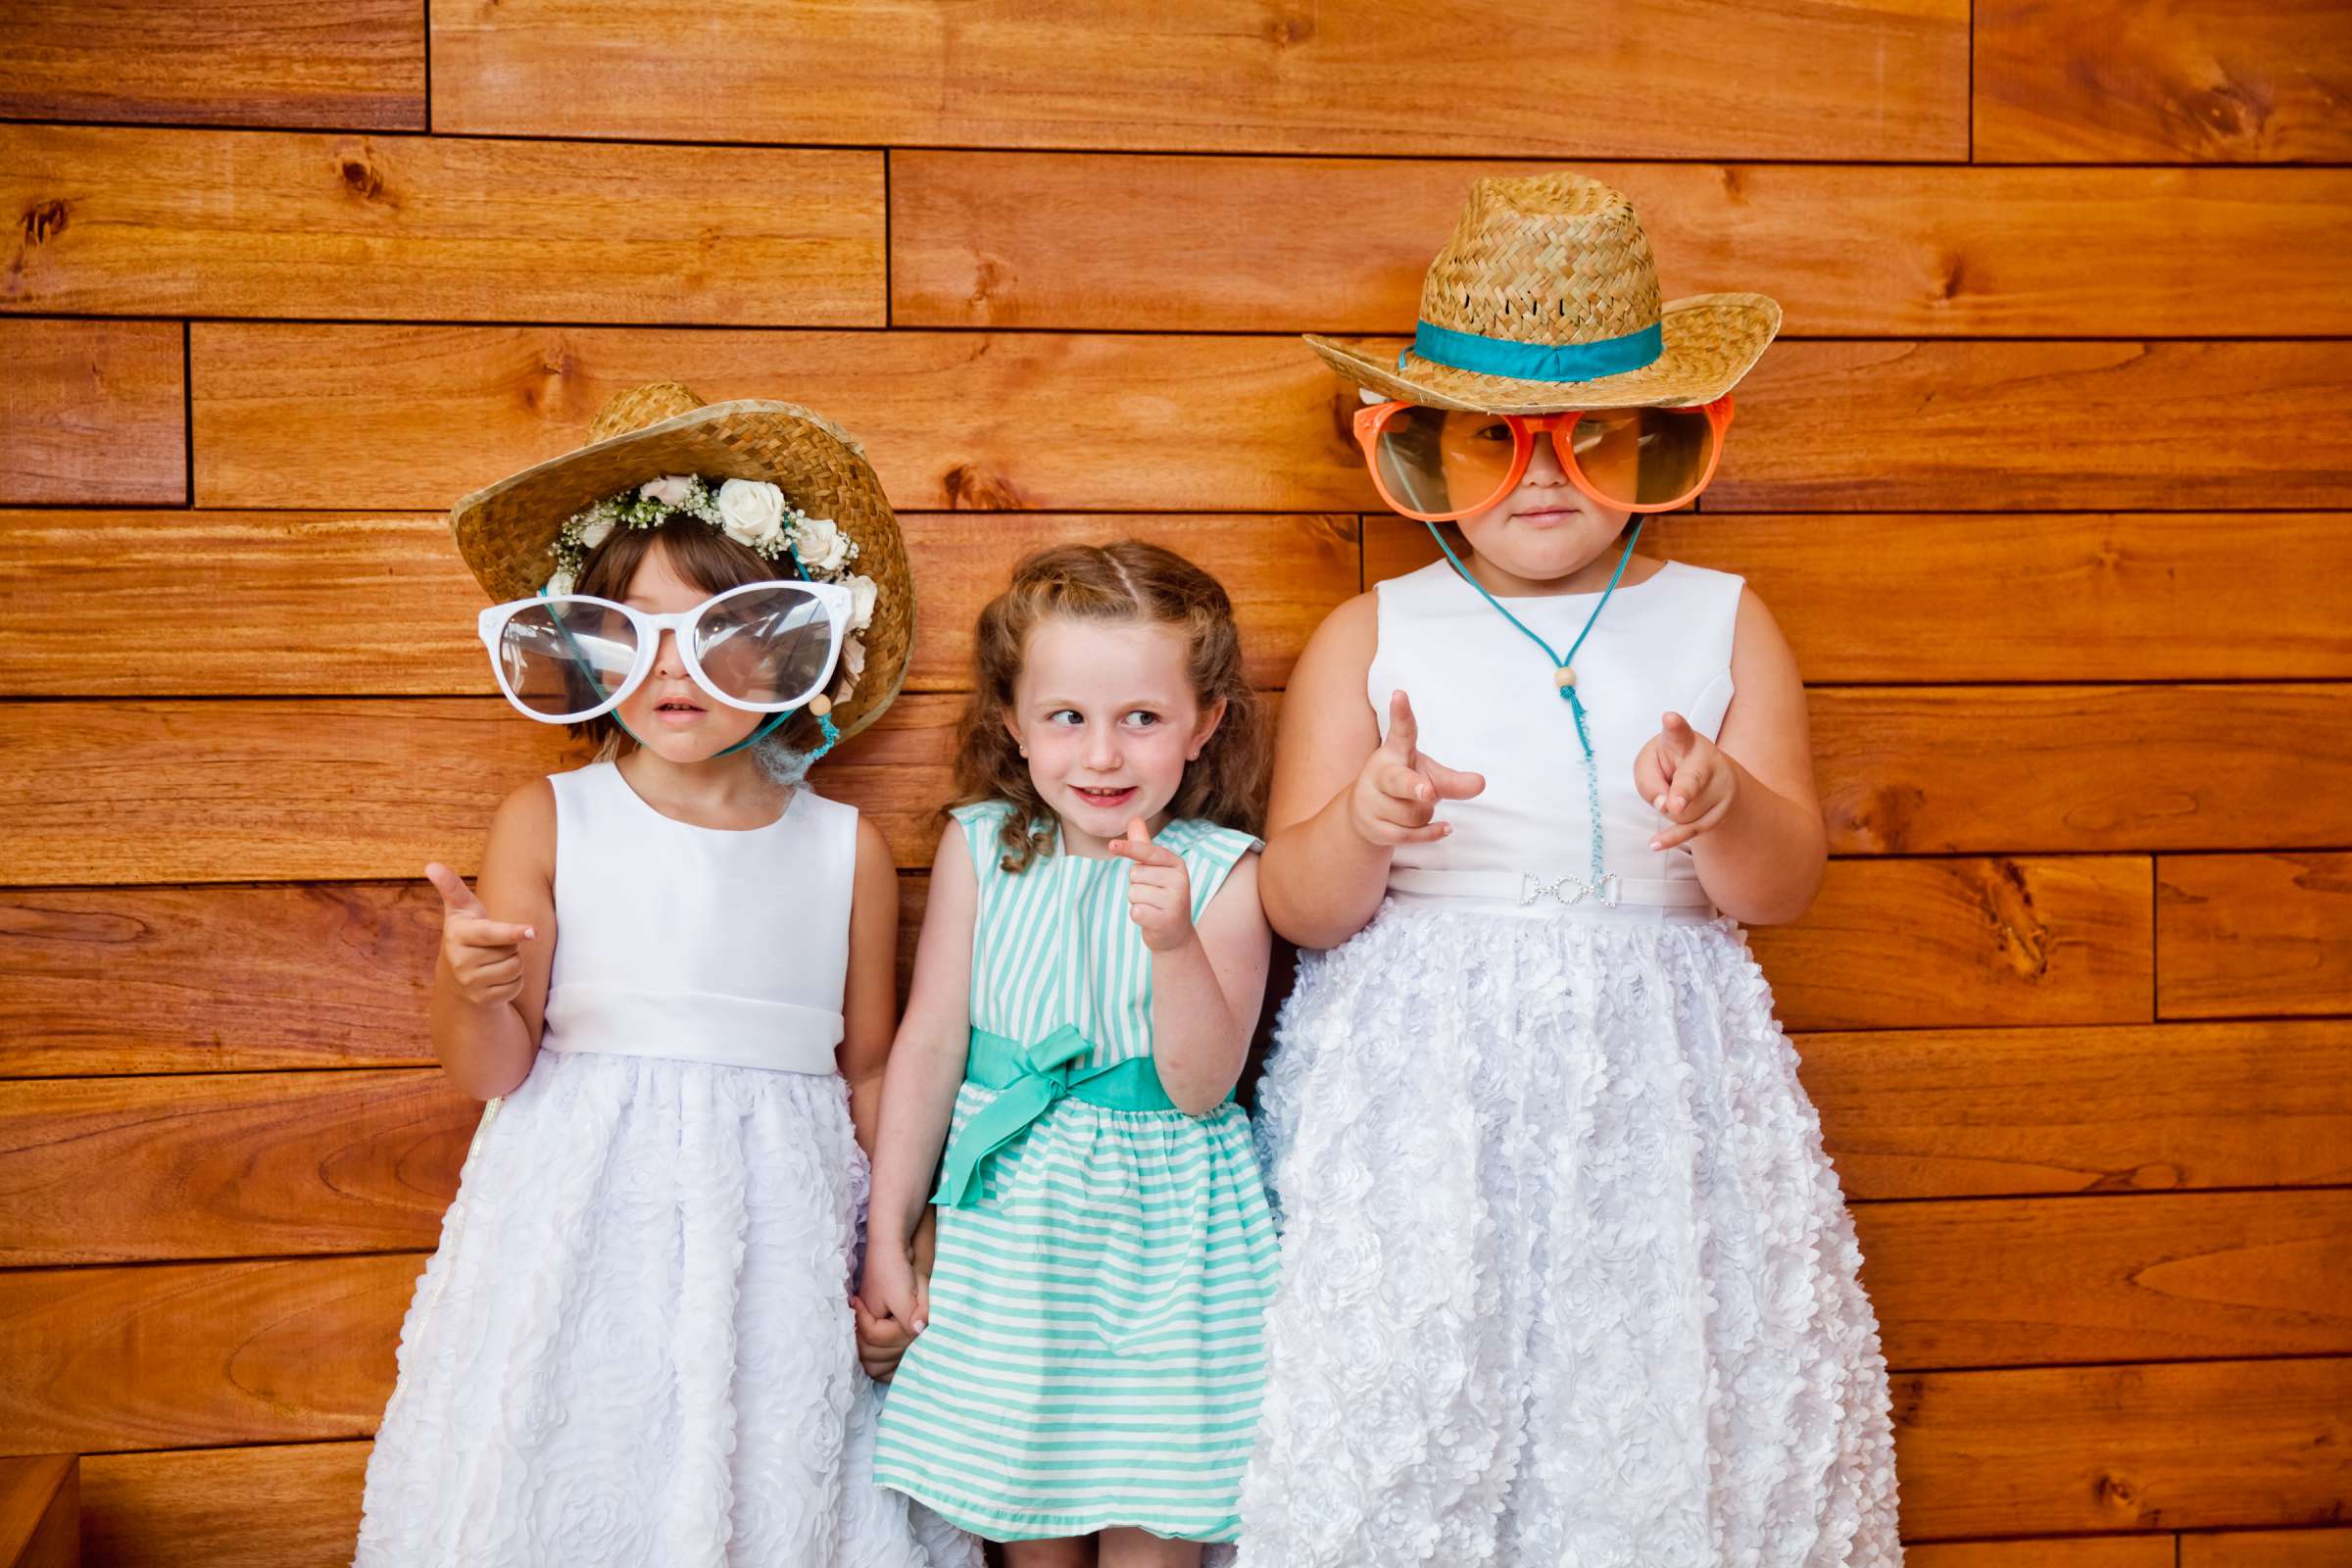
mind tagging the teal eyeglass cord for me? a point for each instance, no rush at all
(1563, 670)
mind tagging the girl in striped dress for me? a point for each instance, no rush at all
(1083, 1381)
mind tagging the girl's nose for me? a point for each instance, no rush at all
(666, 663)
(1544, 465)
(1102, 749)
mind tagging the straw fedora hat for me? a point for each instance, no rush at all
(504, 531)
(1546, 299)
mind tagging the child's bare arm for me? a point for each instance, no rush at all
(1344, 798)
(497, 943)
(1208, 982)
(1745, 802)
(926, 1069)
(869, 1002)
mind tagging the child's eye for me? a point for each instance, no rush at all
(1142, 719)
(1066, 717)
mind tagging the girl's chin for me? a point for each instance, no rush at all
(686, 747)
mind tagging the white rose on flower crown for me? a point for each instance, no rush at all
(597, 532)
(672, 490)
(561, 583)
(820, 545)
(864, 591)
(751, 511)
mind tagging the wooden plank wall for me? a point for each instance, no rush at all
(2044, 481)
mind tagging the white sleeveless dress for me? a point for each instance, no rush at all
(634, 1344)
(1566, 1279)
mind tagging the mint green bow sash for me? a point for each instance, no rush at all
(1028, 1080)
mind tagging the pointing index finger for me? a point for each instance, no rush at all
(1404, 731)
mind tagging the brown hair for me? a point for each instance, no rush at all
(1126, 582)
(712, 563)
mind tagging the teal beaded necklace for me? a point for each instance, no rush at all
(1563, 676)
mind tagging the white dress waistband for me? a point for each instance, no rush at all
(1653, 897)
(683, 1026)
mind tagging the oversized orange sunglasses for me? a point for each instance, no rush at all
(1439, 465)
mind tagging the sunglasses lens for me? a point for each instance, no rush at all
(562, 657)
(1439, 461)
(1644, 456)
(769, 647)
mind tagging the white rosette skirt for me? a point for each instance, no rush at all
(634, 1344)
(1566, 1279)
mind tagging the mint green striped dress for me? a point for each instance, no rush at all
(1094, 1354)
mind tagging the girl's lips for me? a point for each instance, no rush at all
(1545, 514)
(1102, 797)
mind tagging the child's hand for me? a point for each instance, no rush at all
(1160, 891)
(881, 1340)
(484, 956)
(894, 1292)
(1683, 774)
(1397, 791)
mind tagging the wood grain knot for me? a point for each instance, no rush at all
(969, 489)
(1285, 33)
(2115, 1495)
(44, 220)
(2023, 937)
(360, 175)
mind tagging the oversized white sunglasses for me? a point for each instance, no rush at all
(768, 647)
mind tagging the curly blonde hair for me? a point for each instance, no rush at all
(1124, 583)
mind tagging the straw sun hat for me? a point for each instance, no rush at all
(1546, 299)
(503, 532)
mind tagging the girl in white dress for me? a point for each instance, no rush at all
(1566, 1279)
(634, 1344)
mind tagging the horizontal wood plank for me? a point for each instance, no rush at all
(2027, 1282)
(2268, 1548)
(1853, 78)
(1969, 769)
(292, 1505)
(327, 788)
(229, 792)
(2254, 934)
(217, 979)
(92, 412)
(241, 1166)
(1159, 243)
(1994, 597)
(97, 1361)
(2183, 1446)
(1079, 422)
(1283, 574)
(2190, 81)
(953, 420)
(169, 222)
(2092, 1551)
(358, 64)
(1915, 944)
(1982, 1112)
(1856, 426)
(274, 604)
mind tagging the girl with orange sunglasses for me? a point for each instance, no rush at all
(1566, 1277)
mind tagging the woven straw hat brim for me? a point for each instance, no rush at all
(1712, 340)
(504, 531)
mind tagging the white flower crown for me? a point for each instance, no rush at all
(751, 512)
